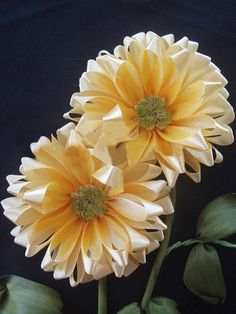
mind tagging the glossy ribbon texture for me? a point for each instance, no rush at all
(191, 86)
(85, 249)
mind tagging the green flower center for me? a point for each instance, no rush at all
(152, 113)
(89, 202)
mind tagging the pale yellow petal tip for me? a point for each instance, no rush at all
(67, 116)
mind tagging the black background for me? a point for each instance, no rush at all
(44, 47)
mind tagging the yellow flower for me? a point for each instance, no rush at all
(165, 100)
(94, 218)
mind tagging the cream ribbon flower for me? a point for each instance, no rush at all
(164, 99)
(93, 217)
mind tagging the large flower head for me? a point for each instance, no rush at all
(94, 218)
(165, 100)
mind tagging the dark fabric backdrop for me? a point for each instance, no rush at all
(44, 46)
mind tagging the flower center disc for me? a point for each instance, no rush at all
(152, 112)
(89, 202)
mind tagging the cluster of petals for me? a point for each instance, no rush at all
(192, 87)
(80, 249)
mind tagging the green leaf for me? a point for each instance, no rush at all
(218, 219)
(23, 296)
(162, 305)
(203, 274)
(132, 308)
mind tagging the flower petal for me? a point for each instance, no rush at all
(128, 208)
(141, 172)
(110, 175)
(136, 148)
(128, 84)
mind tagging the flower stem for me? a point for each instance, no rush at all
(225, 243)
(161, 253)
(188, 242)
(102, 296)
(179, 244)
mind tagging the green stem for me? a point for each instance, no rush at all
(161, 253)
(102, 296)
(225, 243)
(180, 244)
(193, 241)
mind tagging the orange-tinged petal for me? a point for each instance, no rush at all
(136, 148)
(149, 153)
(62, 234)
(197, 120)
(101, 104)
(175, 161)
(66, 247)
(95, 247)
(175, 133)
(44, 152)
(170, 93)
(78, 160)
(148, 62)
(188, 101)
(162, 146)
(47, 225)
(169, 74)
(156, 78)
(128, 84)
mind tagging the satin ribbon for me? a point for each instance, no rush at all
(78, 249)
(192, 86)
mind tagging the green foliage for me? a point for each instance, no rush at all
(158, 305)
(162, 305)
(132, 308)
(203, 274)
(23, 296)
(218, 219)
